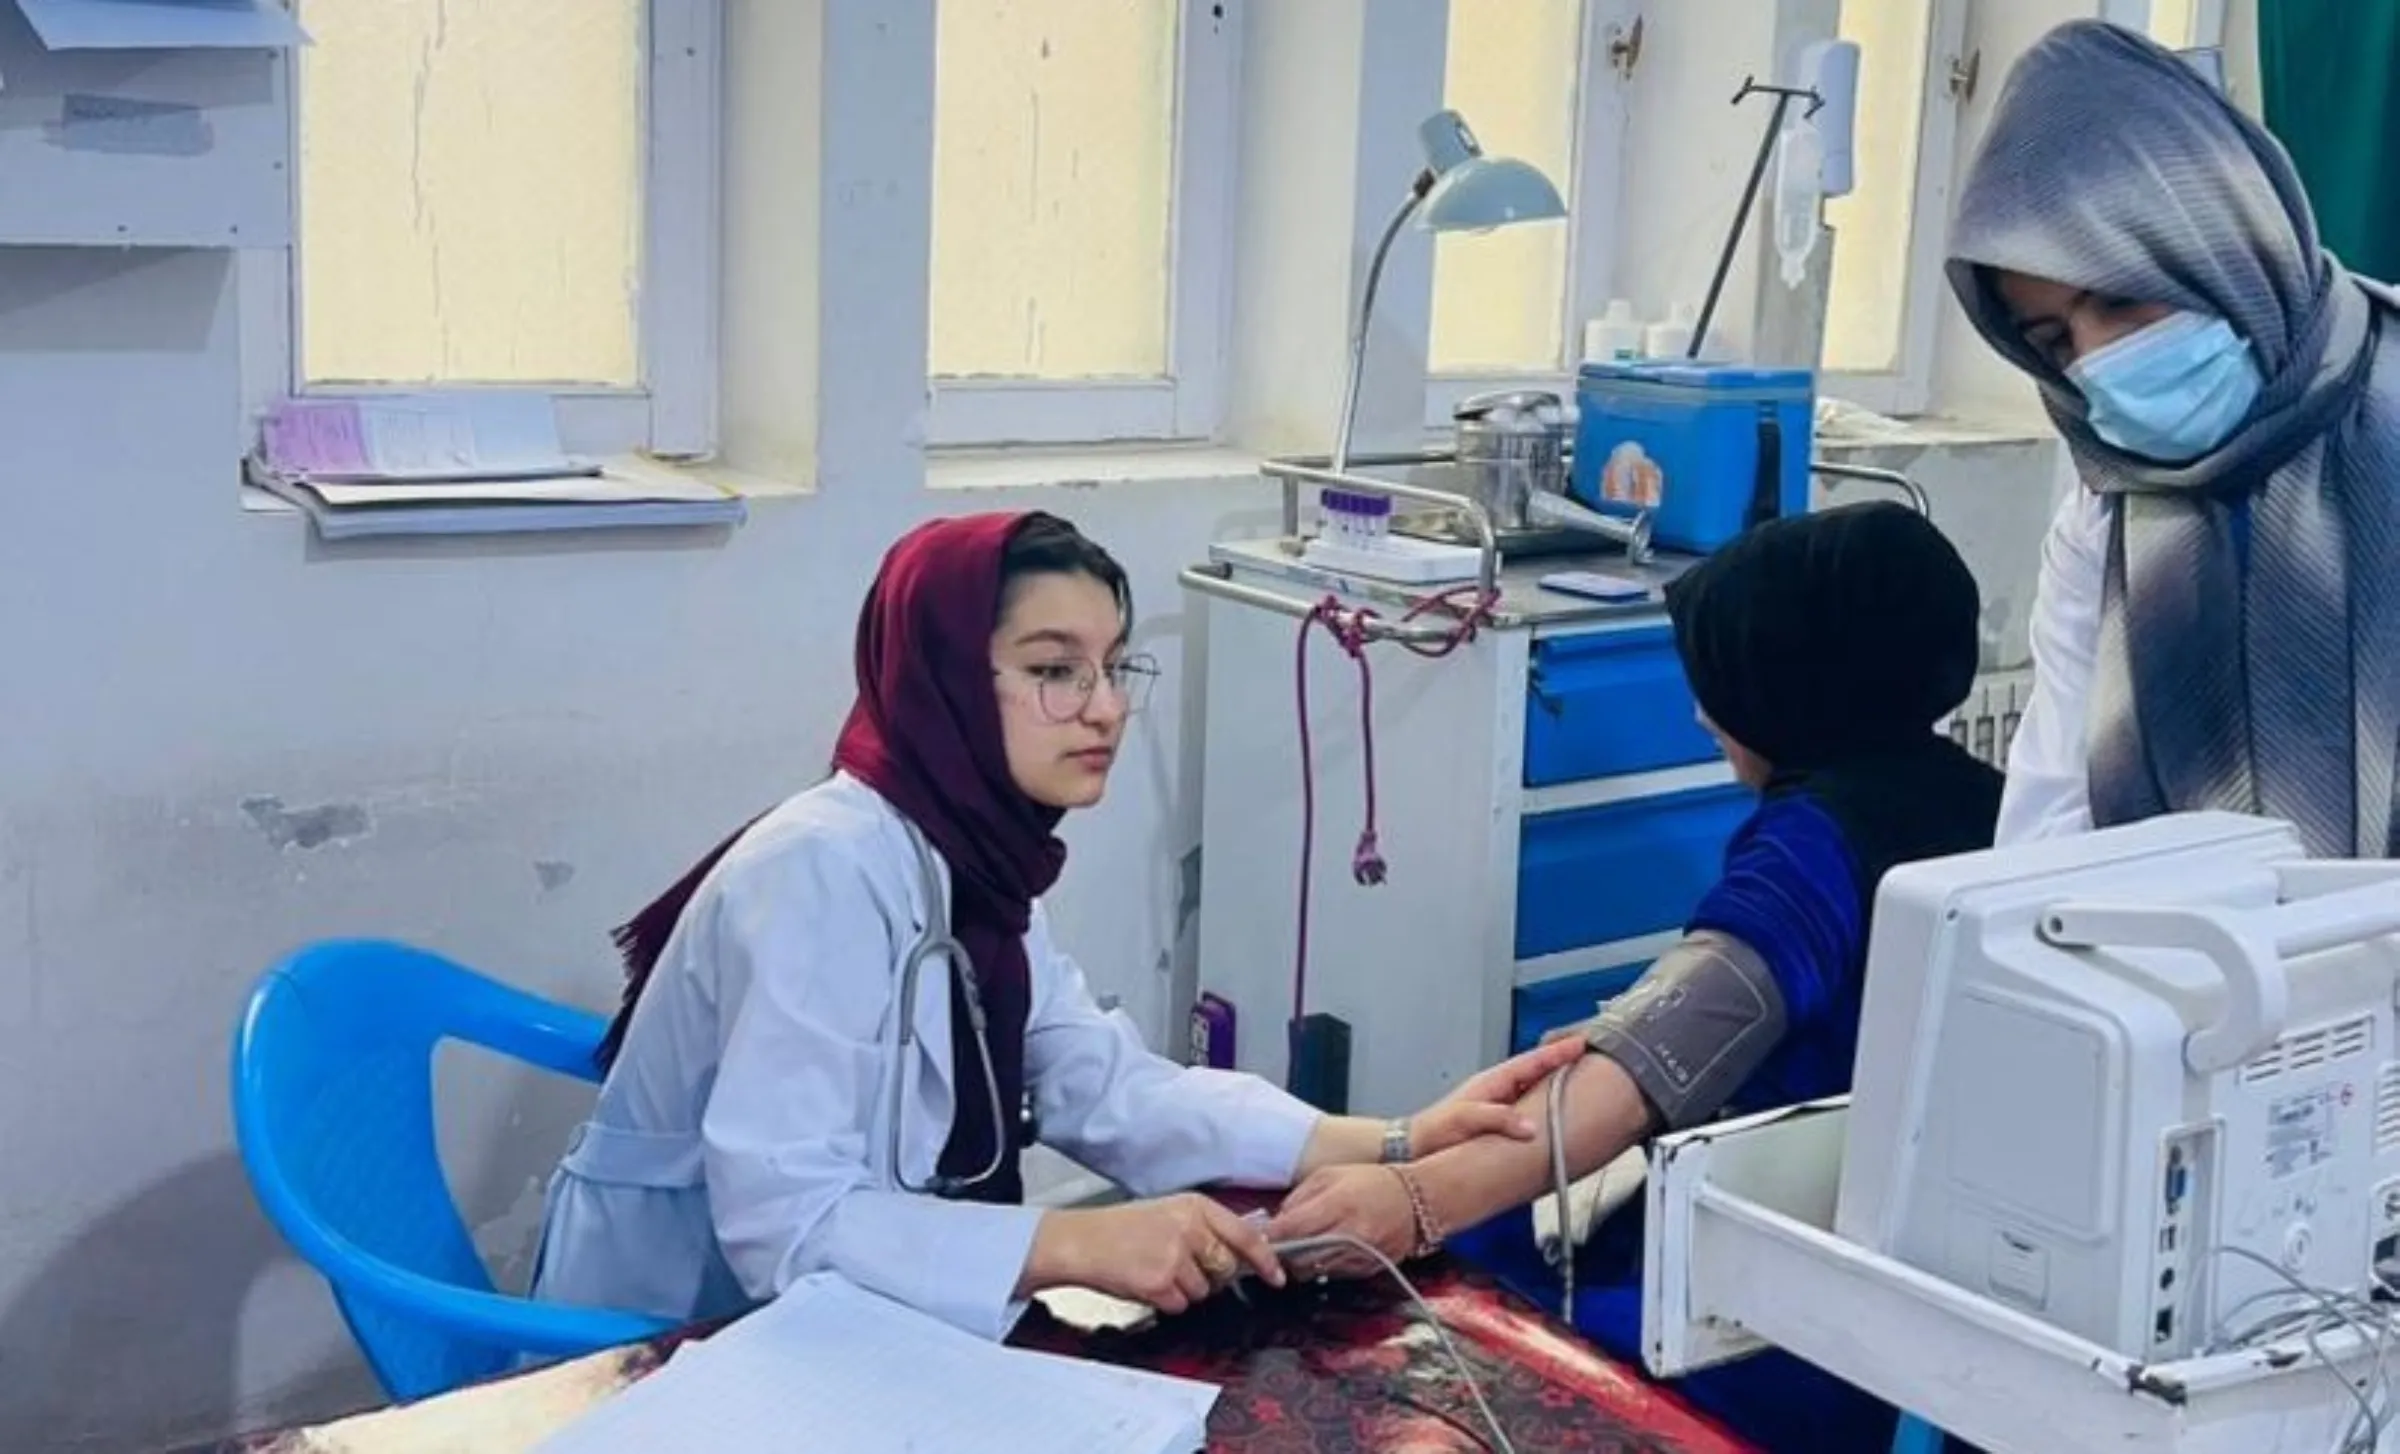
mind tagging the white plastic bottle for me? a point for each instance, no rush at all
(1799, 200)
(1671, 337)
(1614, 336)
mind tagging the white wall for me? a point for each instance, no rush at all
(1970, 378)
(513, 746)
(1688, 151)
(225, 739)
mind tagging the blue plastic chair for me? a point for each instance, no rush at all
(333, 1110)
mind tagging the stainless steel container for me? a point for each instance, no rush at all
(1511, 445)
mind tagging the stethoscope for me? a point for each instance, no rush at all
(936, 939)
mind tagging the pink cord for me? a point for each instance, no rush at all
(1349, 629)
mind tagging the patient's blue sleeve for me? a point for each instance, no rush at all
(1791, 892)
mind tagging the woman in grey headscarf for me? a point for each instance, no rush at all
(2218, 619)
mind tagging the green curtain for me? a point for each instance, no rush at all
(2329, 71)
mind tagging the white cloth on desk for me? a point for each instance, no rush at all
(1589, 1202)
(742, 1141)
(2048, 794)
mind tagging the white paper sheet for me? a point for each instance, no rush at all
(457, 436)
(163, 24)
(831, 1369)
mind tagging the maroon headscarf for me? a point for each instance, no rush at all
(925, 734)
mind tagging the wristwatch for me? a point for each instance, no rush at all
(1395, 1141)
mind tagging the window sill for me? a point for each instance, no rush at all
(1931, 432)
(1916, 432)
(526, 518)
(1089, 468)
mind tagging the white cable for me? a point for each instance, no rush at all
(2365, 1430)
(1560, 1186)
(1300, 1246)
(2306, 1324)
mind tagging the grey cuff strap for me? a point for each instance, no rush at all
(1696, 1025)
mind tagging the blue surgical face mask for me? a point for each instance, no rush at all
(2171, 391)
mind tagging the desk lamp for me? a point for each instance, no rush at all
(1460, 190)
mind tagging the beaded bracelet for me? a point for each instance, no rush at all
(1429, 1231)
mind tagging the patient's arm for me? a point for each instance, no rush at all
(1604, 1114)
(1668, 1054)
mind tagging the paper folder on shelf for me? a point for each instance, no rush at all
(163, 24)
(465, 464)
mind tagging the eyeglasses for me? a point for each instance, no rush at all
(1064, 688)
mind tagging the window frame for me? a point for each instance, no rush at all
(1907, 389)
(2208, 20)
(672, 412)
(1593, 188)
(1186, 403)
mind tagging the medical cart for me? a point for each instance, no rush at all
(1549, 807)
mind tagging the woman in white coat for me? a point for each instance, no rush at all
(838, 1025)
(2216, 624)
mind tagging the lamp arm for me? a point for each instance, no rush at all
(1366, 309)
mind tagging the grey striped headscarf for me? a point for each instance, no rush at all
(2249, 654)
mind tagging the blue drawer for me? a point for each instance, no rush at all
(1542, 1008)
(1607, 703)
(1592, 875)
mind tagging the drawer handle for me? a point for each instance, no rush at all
(1549, 701)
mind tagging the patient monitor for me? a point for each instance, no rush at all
(2135, 1084)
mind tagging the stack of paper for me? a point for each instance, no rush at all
(162, 24)
(464, 463)
(831, 1369)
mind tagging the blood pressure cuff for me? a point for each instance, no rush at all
(1696, 1025)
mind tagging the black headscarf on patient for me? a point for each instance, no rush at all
(1829, 637)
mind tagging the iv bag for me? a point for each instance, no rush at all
(1799, 194)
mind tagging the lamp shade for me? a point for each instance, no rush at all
(1475, 193)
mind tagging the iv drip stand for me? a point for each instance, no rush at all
(1784, 97)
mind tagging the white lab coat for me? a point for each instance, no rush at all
(741, 1141)
(2048, 793)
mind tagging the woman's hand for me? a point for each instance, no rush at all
(1169, 1253)
(1367, 1202)
(1485, 1103)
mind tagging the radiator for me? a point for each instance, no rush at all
(1986, 723)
